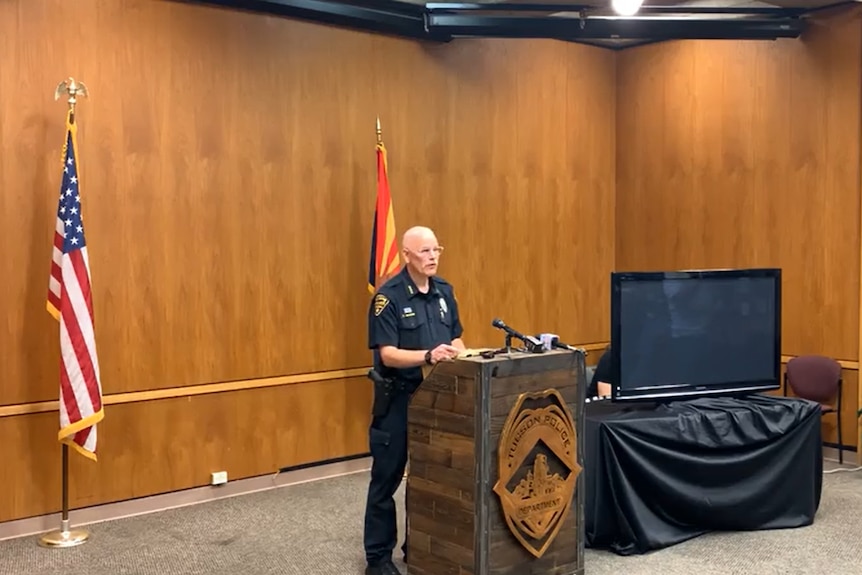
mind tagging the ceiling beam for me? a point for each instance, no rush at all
(679, 9)
(598, 27)
(385, 17)
(444, 21)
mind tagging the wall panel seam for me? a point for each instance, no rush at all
(246, 384)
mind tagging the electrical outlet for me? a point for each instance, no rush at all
(218, 478)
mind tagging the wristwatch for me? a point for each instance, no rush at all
(428, 357)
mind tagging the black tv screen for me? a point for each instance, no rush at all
(684, 334)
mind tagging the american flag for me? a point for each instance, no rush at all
(70, 302)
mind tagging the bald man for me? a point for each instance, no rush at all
(413, 321)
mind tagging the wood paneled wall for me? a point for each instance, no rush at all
(738, 154)
(228, 181)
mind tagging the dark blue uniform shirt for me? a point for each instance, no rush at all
(401, 316)
(602, 373)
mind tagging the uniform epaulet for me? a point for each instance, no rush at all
(391, 283)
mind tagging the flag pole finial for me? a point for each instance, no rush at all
(379, 132)
(71, 88)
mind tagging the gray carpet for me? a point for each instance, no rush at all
(316, 528)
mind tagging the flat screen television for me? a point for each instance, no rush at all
(685, 334)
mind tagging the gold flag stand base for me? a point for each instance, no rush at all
(64, 537)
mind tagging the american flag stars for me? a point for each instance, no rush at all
(69, 210)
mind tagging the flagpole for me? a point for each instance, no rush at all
(65, 537)
(377, 280)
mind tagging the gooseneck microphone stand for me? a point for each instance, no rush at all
(529, 346)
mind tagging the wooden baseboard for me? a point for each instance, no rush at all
(110, 511)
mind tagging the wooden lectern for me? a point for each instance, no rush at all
(495, 458)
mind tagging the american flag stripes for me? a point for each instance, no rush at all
(70, 302)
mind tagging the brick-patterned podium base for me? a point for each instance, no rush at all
(457, 524)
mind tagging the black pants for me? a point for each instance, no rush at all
(388, 443)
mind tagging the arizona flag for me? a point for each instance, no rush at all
(70, 302)
(385, 260)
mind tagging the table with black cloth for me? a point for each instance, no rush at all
(657, 475)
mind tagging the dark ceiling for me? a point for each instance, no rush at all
(589, 22)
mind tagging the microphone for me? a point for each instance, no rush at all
(532, 344)
(552, 341)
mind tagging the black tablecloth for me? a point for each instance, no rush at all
(659, 475)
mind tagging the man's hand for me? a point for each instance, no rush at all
(603, 389)
(405, 358)
(444, 352)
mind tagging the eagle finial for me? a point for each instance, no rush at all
(71, 88)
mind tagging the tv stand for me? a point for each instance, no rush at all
(759, 456)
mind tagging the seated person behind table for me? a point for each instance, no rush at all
(600, 385)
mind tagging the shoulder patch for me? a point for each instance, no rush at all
(380, 303)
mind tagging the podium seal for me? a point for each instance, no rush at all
(537, 468)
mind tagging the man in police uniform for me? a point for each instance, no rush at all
(413, 321)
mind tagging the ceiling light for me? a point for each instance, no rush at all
(626, 7)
